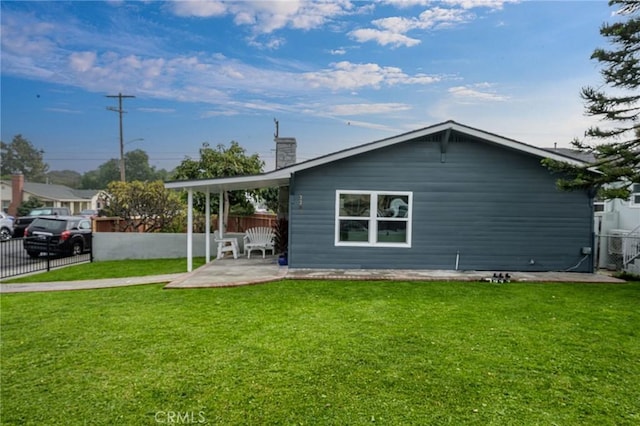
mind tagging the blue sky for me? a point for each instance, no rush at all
(334, 73)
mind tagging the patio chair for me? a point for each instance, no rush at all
(260, 238)
(225, 245)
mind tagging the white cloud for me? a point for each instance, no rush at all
(348, 76)
(465, 4)
(64, 110)
(407, 3)
(338, 51)
(199, 8)
(473, 93)
(373, 126)
(225, 113)
(270, 43)
(470, 4)
(158, 110)
(439, 17)
(267, 16)
(392, 30)
(383, 38)
(362, 109)
(82, 61)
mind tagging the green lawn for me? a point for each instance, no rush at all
(111, 269)
(324, 352)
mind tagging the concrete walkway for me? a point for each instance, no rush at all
(229, 272)
(86, 285)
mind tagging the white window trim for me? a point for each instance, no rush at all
(373, 219)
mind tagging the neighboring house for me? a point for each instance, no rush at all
(17, 191)
(617, 224)
(446, 196)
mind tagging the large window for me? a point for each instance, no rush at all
(635, 195)
(373, 218)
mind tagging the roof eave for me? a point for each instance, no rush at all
(234, 183)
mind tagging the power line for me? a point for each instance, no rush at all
(120, 111)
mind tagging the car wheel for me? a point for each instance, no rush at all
(5, 234)
(33, 254)
(76, 248)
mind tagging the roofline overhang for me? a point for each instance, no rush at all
(235, 183)
(433, 130)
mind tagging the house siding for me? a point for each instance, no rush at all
(491, 207)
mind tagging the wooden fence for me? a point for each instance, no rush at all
(242, 223)
(235, 223)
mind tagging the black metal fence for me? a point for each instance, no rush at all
(14, 259)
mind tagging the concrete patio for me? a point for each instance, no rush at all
(229, 272)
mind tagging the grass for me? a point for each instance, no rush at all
(324, 352)
(111, 269)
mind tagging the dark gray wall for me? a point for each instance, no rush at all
(498, 208)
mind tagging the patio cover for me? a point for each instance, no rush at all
(220, 185)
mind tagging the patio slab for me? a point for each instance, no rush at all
(445, 275)
(229, 272)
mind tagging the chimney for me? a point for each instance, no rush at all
(17, 188)
(285, 156)
(285, 152)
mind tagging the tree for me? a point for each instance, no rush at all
(222, 162)
(616, 148)
(105, 174)
(144, 206)
(136, 165)
(21, 156)
(26, 206)
(270, 198)
(68, 178)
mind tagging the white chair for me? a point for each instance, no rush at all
(225, 245)
(260, 238)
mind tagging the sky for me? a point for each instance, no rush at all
(334, 74)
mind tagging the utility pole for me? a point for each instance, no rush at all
(120, 111)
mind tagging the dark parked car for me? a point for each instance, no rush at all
(21, 223)
(63, 235)
(89, 213)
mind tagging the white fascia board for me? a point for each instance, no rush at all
(428, 131)
(272, 179)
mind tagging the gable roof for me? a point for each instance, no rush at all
(574, 153)
(58, 192)
(281, 176)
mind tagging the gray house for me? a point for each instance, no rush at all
(446, 196)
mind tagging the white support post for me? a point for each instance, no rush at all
(190, 230)
(207, 230)
(221, 214)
